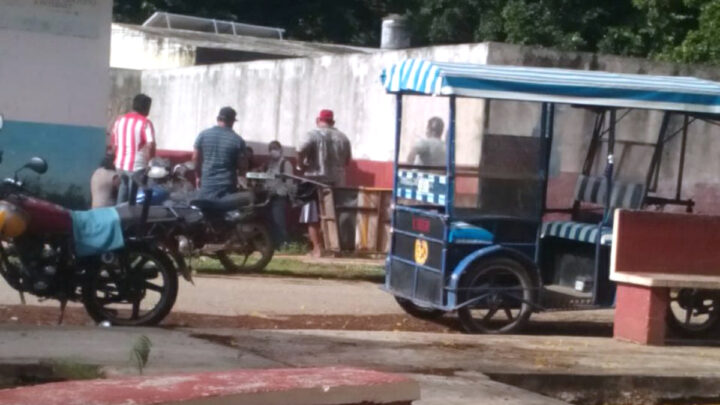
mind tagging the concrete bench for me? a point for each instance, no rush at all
(652, 253)
(315, 386)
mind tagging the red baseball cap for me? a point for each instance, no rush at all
(326, 115)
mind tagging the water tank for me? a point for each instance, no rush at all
(395, 32)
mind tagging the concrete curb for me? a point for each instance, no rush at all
(309, 386)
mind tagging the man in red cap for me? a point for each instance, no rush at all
(323, 156)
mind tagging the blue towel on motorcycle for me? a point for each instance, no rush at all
(97, 231)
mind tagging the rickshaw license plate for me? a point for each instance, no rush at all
(420, 224)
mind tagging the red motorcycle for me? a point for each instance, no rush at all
(133, 286)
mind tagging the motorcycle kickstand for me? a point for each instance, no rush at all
(63, 305)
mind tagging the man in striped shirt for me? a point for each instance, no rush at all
(134, 144)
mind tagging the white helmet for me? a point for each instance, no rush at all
(158, 172)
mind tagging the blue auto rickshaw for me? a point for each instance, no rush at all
(479, 237)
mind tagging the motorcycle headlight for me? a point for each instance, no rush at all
(185, 246)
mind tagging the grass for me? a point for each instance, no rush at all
(69, 370)
(289, 267)
(294, 248)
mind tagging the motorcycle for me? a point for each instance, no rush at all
(136, 285)
(231, 229)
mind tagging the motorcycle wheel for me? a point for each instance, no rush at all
(251, 253)
(141, 293)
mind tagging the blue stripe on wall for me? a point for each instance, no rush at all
(72, 152)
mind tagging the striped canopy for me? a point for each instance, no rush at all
(689, 94)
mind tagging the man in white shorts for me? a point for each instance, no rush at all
(323, 157)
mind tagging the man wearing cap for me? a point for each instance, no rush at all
(219, 157)
(323, 156)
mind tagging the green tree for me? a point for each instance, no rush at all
(566, 24)
(354, 22)
(660, 27)
(681, 30)
(701, 44)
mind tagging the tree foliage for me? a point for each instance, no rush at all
(679, 30)
(354, 22)
(701, 44)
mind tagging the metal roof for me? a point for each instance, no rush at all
(417, 76)
(161, 19)
(283, 48)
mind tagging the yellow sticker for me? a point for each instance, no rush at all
(421, 251)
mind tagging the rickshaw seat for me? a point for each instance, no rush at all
(464, 232)
(578, 231)
(593, 190)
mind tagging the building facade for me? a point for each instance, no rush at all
(54, 93)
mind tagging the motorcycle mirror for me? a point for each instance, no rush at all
(37, 164)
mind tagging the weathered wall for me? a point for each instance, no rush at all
(54, 75)
(279, 100)
(131, 49)
(124, 85)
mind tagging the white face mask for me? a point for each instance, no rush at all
(275, 154)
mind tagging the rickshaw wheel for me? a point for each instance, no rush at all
(502, 290)
(693, 313)
(419, 311)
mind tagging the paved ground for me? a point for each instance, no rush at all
(244, 295)
(451, 368)
(562, 356)
(196, 350)
(272, 296)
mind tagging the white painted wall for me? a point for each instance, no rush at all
(54, 91)
(280, 99)
(132, 49)
(54, 61)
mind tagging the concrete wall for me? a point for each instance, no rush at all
(279, 100)
(124, 85)
(54, 75)
(131, 49)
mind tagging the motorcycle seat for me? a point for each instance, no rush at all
(227, 203)
(130, 215)
(190, 215)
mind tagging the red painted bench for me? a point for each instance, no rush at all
(655, 252)
(315, 386)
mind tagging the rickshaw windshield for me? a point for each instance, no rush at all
(497, 164)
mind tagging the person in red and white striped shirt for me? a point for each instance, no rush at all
(133, 143)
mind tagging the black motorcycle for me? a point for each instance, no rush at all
(231, 229)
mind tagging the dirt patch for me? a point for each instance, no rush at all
(35, 315)
(545, 324)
